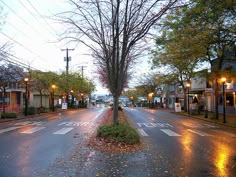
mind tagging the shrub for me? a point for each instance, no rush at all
(31, 110)
(120, 133)
(8, 115)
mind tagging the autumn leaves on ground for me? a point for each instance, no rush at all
(116, 138)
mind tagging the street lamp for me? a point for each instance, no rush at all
(188, 86)
(132, 98)
(26, 95)
(72, 97)
(150, 95)
(53, 90)
(223, 79)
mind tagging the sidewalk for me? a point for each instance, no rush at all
(230, 119)
(23, 117)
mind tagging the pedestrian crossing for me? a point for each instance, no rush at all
(196, 129)
(30, 127)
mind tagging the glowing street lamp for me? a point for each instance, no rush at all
(188, 86)
(26, 95)
(223, 79)
(132, 100)
(53, 90)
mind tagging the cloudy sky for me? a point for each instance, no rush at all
(34, 37)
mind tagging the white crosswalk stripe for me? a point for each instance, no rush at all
(199, 132)
(170, 132)
(29, 123)
(8, 129)
(73, 124)
(142, 132)
(226, 133)
(22, 123)
(32, 130)
(63, 131)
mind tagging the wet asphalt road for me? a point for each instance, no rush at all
(29, 147)
(187, 146)
(177, 146)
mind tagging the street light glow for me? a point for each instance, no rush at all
(26, 79)
(188, 85)
(223, 79)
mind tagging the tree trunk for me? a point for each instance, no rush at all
(115, 109)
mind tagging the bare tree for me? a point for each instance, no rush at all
(114, 30)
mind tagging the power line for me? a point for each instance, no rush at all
(42, 17)
(17, 29)
(19, 16)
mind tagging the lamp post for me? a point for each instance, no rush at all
(72, 97)
(26, 95)
(150, 95)
(53, 90)
(188, 86)
(132, 98)
(223, 79)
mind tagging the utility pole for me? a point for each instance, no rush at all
(67, 59)
(82, 70)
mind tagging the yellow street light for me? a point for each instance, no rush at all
(53, 89)
(26, 79)
(223, 79)
(188, 87)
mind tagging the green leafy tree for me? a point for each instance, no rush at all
(213, 23)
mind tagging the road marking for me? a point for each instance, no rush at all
(22, 123)
(139, 124)
(191, 125)
(226, 133)
(148, 125)
(37, 123)
(63, 131)
(73, 124)
(211, 126)
(152, 125)
(199, 132)
(8, 129)
(30, 123)
(170, 132)
(142, 132)
(32, 130)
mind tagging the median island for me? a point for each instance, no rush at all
(116, 138)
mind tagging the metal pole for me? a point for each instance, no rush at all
(26, 98)
(224, 121)
(53, 109)
(188, 101)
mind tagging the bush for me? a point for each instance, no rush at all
(31, 110)
(120, 133)
(8, 115)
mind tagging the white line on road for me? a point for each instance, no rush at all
(8, 129)
(63, 131)
(199, 132)
(22, 123)
(226, 133)
(32, 130)
(142, 132)
(170, 132)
